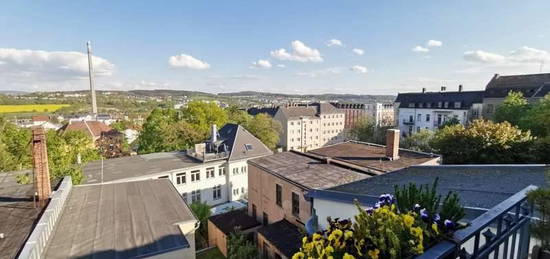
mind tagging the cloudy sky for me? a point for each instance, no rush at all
(362, 47)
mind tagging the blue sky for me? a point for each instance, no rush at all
(213, 44)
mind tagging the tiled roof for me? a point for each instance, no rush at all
(286, 237)
(533, 85)
(242, 143)
(40, 118)
(372, 156)
(92, 128)
(307, 170)
(295, 112)
(227, 222)
(466, 99)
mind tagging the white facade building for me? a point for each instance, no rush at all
(310, 127)
(214, 172)
(429, 110)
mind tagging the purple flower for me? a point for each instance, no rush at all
(386, 200)
(437, 218)
(377, 205)
(369, 210)
(424, 214)
(449, 224)
(417, 207)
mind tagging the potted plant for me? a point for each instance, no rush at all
(540, 229)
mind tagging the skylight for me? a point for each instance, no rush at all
(248, 147)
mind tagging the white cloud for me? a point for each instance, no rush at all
(359, 69)
(68, 64)
(434, 43)
(300, 53)
(420, 49)
(523, 55)
(261, 63)
(335, 42)
(281, 65)
(359, 52)
(187, 61)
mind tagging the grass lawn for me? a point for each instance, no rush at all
(212, 253)
(31, 108)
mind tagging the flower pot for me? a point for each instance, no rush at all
(539, 253)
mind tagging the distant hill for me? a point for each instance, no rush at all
(12, 92)
(338, 97)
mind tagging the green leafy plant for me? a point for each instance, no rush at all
(540, 199)
(23, 179)
(239, 247)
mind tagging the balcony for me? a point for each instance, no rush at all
(408, 122)
(206, 156)
(501, 232)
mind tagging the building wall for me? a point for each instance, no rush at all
(411, 120)
(262, 195)
(238, 180)
(332, 128)
(325, 208)
(217, 238)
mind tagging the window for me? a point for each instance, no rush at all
(279, 195)
(439, 104)
(420, 105)
(195, 176)
(248, 147)
(295, 204)
(217, 192)
(236, 191)
(457, 104)
(411, 105)
(265, 219)
(243, 169)
(411, 118)
(242, 190)
(210, 172)
(254, 211)
(446, 105)
(180, 178)
(429, 105)
(221, 170)
(196, 196)
(418, 117)
(235, 171)
(427, 117)
(184, 196)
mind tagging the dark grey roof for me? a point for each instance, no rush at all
(227, 222)
(433, 98)
(120, 220)
(295, 112)
(286, 237)
(351, 106)
(242, 143)
(17, 213)
(137, 166)
(533, 85)
(326, 108)
(306, 170)
(269, 111)
(479, 186)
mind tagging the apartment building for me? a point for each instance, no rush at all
(381, 113)
(533, 87)
(307, 127)
(279, 183)
(214, 172)
(429, 110)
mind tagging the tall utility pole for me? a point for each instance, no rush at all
(91, 75)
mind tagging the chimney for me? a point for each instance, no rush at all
(423, 89)
(40, 165)
(496, 76)
(443, 88)
(460, 88)
(392, 144)
(214, 133)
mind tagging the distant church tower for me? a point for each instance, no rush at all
(91, 75)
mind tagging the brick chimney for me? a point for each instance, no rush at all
(392, 144)
(40, 165)
(460, 88)
(443, 88)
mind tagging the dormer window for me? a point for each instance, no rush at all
(457, 104)
(411, 105)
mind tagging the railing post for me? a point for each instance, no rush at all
(524, 240)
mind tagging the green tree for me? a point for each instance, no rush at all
(238, 116)
(419, 141)
(450, 122)
(151, 137)
(537, 119)
(201, 115)
(512, 109)
(363, 130)
(202, 212)
(265, 128)
(15, 151)
(484, 142)
(238, 247)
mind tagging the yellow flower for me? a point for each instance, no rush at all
(374, 253)
(329, 250)
(304, 240)
(348, 256)
(435, 229)
(298, 255)
(348, 234)
(417, 232)
(408, 220)
(316, 237)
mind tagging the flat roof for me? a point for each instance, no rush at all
(136, 166)
(306, 170)
(372, 156)
(478, 186)
(227, 222)
(282, 234)
(17, 213)
(120, 220)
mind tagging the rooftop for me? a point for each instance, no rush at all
(227, 222)
(306, 170)
(295, 112)
(120, 220)
(430, 100)
(92, 128)
(268, 110)
(372, 156)
(478, 186)
(17, 213)
(284, 236)
(532, 85)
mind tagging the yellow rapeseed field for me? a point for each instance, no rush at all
(31, 108)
